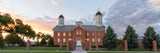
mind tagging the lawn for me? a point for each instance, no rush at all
(35, 52)
(119, 49)
(33, 48)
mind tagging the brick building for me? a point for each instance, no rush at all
(87, 35)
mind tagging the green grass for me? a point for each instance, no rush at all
(35, 52)
(119, 49)
(33, 48)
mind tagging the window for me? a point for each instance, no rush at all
(58, 40)
(98, 33)
(64, 34)
(70, 39)
(58, 34)
(87, 39)
(69, 33)
(78, 32)
(64, 40)
(87, 33)
(99, 40)
(92, 39)
(92, 33)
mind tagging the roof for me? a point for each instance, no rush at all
(61, 16)
(71, 27)
(98, 13)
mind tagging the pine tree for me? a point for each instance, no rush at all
(43, 42)
(131, 37)
(50, 42)
(110, 38)
(149, 36)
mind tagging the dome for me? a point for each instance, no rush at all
(98, 13)
(61, 16)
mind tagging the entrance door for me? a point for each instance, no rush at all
(78, 43)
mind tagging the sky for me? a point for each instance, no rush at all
(42, 14)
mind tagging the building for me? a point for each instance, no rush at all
(86, 35)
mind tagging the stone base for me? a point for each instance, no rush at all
(125, 45)
(28, 45)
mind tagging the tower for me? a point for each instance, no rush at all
(98, 18)
(61, 20)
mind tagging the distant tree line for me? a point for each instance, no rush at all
(17, 31)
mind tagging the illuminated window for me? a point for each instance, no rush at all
(98, 33)
(92, 39)
(69, 33)
(78, 32)
(87, 39)
(58, 34)
(70, 39)
(64, 34)
(93, 34)
(64, 40)
(58, 40)
(99, 40)
(87, 33)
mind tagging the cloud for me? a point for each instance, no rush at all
(137, 13)
(53, 2)
(155, 3)
(43, 24)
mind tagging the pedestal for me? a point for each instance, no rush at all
(28, 45)
(154, 45)
(125, 45)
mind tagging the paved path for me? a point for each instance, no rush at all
(79, 50)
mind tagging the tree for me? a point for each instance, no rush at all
(50, 42)
(13, 38)
(6, 19)
(38, 36)
(30, 33)
(43, 42)
(47, 37)
(149, 36)
(110, 38)
(1, 41)
(131, 37)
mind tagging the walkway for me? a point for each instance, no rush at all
(79, 50)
